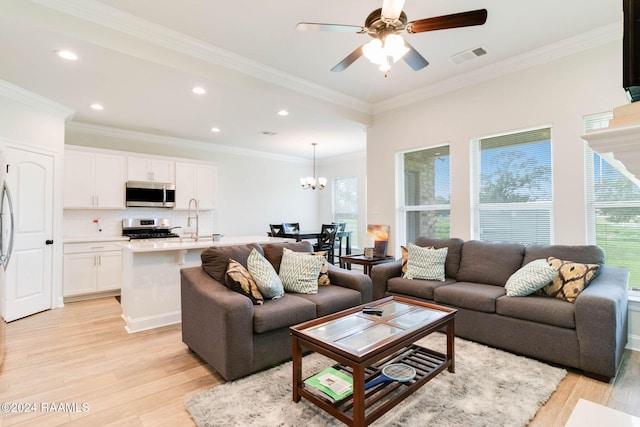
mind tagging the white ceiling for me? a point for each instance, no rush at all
(141, 58)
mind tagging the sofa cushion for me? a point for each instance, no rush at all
(265, 275)
(588, 254)
(474, 296)
(530, 278)
(571, 278)
(488, 262)
(454, 251)
(299, 272)
(422, 289)
(323, 277)
(331, 299)
(216, 258)
(273, 251)
(239, 279)
(540, 309)
(282, 313)
(425, 263)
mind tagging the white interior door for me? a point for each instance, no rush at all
(29, 275)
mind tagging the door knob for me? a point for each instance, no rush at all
(48, 242)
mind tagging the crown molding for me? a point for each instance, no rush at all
(591, 39)
(106, 16)
(23, 96)
(111, 132)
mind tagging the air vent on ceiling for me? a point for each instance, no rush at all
(467, 55)
(267, 133)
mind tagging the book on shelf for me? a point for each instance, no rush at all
(330, 384)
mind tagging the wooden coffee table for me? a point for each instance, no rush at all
(362, 344)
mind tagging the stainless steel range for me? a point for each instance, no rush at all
(148, 229)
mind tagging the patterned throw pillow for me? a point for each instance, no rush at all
(239, 279)
(264, 275)
(571, 278)
(405, 257)
(530, 278)
(425, 263)
(323, 277)
(299, 272)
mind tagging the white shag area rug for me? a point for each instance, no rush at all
(489, 388)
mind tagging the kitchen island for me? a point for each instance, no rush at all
(150, 294)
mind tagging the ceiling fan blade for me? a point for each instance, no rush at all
(336, 28)
(391, 9)
(414, 59)
(456, 20)
(350, 59)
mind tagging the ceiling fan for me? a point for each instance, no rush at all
(384, 26)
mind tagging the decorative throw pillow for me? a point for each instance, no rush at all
(571, 278)
(239, 279)
(405, 256)
(299, 272)
(323, 277)
(530, 278)
(264, 275)
(425, 263)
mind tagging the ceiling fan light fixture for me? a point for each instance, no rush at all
(394, 47)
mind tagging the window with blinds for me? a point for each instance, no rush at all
(512, 182)
(426, 193)
(345, 204)
(613, 207)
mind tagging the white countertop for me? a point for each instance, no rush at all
(202, 243)
(89, 239)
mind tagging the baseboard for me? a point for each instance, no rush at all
(151, 322)
(633, 342)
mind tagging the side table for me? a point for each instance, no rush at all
(367, 263)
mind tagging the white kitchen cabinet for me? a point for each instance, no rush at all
(93, 180)
(147, 169)
(91, 268)
(196, 180)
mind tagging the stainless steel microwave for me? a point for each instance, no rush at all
(150, 194)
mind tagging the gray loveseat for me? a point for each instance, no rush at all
(236, 337)
(589, 334)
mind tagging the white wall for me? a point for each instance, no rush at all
(558, 94)
(254, 189)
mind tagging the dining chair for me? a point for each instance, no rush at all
(277, 230)
(342, 226)
(327, 240)
(291, 227)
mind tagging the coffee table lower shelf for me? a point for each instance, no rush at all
(382, 397)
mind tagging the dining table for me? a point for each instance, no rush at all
(308, 235)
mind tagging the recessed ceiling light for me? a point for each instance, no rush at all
(67, 54)
(97, 106)
(215, 130)
(283, 113)
(199, 90)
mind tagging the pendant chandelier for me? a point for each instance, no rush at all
(311, 182)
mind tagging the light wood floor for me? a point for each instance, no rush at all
(82, 354)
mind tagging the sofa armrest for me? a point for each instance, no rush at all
(352, 280)
(381, 273)
(601, 321)
(217, 323)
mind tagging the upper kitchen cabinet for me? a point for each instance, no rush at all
(196, 181)
(93, 180)
(147, 169)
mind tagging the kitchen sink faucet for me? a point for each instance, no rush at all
(189, 217)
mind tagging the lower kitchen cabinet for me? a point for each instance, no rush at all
(91, 269)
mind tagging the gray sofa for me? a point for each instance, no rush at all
(236, 337)
(589, 334)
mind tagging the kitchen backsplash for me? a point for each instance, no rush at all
(80, 223)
